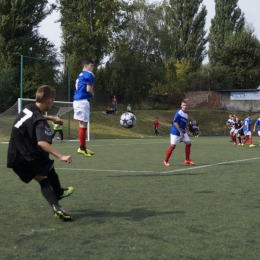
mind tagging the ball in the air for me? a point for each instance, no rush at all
(127, 120)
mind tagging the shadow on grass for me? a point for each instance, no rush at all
(134, 214)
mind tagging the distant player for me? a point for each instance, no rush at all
(247, 131)
(230, 124)
(178, 134)
(257, 123)
(82, 95)
(239, 130)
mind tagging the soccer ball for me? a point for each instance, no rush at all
(127, 120)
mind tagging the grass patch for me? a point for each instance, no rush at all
(128, 205)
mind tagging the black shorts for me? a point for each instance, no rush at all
(241, 132)
(26, 174)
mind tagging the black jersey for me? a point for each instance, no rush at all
(238, 124)
(29, 128)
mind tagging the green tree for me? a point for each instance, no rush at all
(19, 22)
(186, 21)
(228, 19)
(241, 54)
(136, 65)
(89, 29)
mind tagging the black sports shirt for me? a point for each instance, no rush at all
(29, 128)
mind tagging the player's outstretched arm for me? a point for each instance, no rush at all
(49, 149)
(55, 119)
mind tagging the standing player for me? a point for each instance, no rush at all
(156, 126)
(82, 95)
(30, 146)
(257, 123)
(247, 131)
(178, 134)
(239, 130)
(230, 123)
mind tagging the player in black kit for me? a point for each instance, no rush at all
(30, 146)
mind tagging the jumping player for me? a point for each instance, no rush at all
(82, 95)
(178, 134)
(30, 146)
(247, 131)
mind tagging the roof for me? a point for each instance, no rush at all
(240, 90)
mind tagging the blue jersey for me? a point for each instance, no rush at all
(258, 124)
(247, 124)
(181, 117)
(85, 78)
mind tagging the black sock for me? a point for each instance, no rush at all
(239, 139)
(55, 182)
(48, 193)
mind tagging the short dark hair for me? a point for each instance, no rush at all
(87, 61)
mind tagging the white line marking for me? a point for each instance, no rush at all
(211, 165)
(164, 172)
(33, 231)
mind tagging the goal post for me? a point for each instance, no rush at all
(65, 111)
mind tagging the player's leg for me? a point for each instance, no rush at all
(174, 140)
(50, 196)
(235, 137)
(55, 184)
(187, 142)
(251, 140)
(54, 133)
(61, 135)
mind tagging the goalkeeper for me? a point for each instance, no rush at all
(57, 128)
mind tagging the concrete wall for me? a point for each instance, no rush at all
(203, 99)
(238, 105)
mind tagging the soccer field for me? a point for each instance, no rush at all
(128, 205)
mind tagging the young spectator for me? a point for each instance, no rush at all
(190, 127)
(156, 127)
(114, 103)
(129, 109)
(110, 111)
(57, 128)
(30, 146)
(82, 95)
(178, 134)
(196, 129)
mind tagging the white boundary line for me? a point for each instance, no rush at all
(164, 172)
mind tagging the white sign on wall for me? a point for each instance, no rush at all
(245, 95)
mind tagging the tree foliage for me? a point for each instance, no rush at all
(19, 22)
(89, 28)
(228, 19)
(241, 54)
(185, 20)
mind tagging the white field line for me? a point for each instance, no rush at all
(190, 168)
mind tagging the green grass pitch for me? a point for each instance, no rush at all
(128, 205)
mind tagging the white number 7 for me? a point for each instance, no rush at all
(28, 114)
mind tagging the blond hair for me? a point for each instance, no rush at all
(44, 93)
